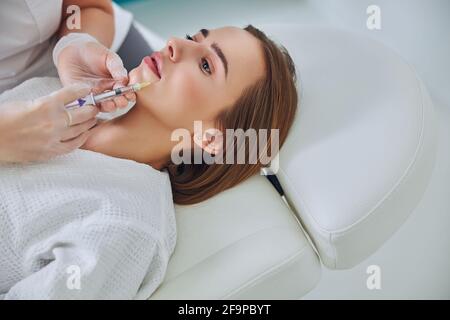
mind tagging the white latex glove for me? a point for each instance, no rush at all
(38, 130)
(81, 58)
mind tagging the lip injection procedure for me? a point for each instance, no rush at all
(92, 99)
(100, 195)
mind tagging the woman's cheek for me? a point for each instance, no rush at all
(163, 104)
(178, 100)
(190, 93)
(144, 98)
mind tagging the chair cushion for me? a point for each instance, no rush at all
(243, 243)
(363, 144)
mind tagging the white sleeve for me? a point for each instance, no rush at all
(97, 262)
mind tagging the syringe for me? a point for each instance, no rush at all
(108, 95)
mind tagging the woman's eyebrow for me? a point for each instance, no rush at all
(217, 50)
(221, 56)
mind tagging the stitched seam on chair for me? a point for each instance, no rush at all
(270, 271)
(306, 211)
(335, 259)
(304, 205)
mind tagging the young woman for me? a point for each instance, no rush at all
(251, 86)
(99, 223)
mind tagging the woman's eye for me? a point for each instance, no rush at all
(205, 66)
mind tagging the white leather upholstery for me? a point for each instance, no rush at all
(363, 145)
(241, 244)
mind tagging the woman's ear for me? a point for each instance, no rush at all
(210, 141)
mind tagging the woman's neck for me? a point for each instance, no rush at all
(136, 135)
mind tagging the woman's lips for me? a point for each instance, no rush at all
(154, 62)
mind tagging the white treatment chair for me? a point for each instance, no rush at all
(355, 165)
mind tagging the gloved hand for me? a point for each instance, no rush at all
(38, 130)
(81, 58)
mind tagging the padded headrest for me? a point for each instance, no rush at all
(362, 147)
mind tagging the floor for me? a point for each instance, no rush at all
(415, 262)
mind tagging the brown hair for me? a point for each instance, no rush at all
(270, 103)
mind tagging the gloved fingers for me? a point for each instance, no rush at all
(112, 105)
(70, 93)
(75, 143)
(131, 96)
(108, 106)
(117, 102)
(115, 67)
(100, 85)
(120, 101)
(125, 99)
(76, 130)
(120, 75)
(83, 114)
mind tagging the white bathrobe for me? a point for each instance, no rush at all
(82, 225)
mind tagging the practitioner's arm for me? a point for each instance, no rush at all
(96, 19)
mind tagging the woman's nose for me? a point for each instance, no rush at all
(177, 47)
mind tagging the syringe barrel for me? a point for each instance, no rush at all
(104, 96)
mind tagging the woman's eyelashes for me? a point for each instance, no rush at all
(204, 65)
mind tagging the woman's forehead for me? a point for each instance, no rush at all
(242, 51)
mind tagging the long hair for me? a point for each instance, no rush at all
(270, 103)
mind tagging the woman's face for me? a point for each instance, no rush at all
(200, 77)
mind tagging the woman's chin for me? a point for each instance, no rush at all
(143, 97)
(142, 74)
(135, 76)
